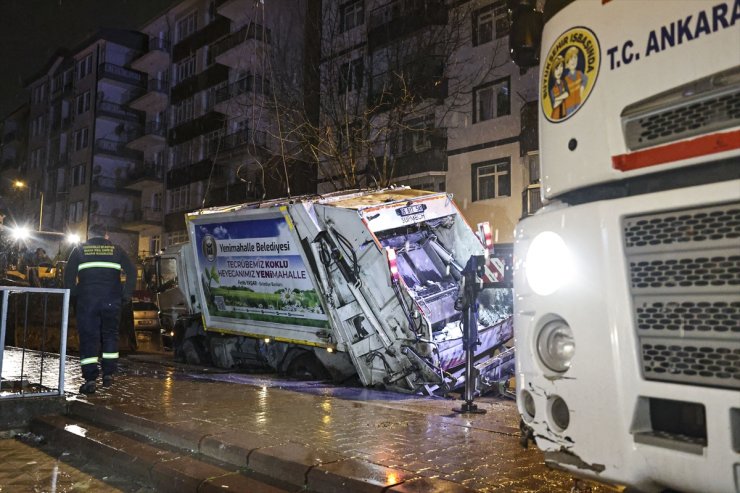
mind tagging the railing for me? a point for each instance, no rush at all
(23, 368)
(236, 139)
(106, 182)
(121, 73)
(146, 171)
(250, 31)
(404, 10)
(119, 111)
(116, 148)
(146, 214)
(159, 44)
(158, 85)
(151, 128)
(419, 79)
(244, 85)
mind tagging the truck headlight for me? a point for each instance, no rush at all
(556, 345)
(548, 263)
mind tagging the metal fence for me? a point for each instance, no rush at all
(28, 368)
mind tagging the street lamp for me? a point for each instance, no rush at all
(20, 185)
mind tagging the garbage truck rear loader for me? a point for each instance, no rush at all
(627, 308)
(363, 283)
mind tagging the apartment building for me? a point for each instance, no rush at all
(427, 91)
(13, 144)
(133, 129)
(223, 144)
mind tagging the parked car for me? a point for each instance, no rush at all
(147, 327)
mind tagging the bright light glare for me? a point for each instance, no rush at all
(20, 233)
(73, 238)
(549, 264)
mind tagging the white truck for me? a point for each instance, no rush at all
(627, 282)
(352, 283)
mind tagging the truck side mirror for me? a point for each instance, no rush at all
(526, 33)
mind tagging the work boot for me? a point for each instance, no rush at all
(88, 387)
(107, 380)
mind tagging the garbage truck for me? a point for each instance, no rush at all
(362, 283)
(627, 282)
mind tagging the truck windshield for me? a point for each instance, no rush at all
(167, 273)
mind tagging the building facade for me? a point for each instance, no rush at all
(133, 129)
(430, 97)
(226, 101)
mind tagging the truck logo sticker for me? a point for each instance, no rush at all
(570, 72)
(209, 248)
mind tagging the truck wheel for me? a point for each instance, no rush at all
(193, 351)
(307, 367)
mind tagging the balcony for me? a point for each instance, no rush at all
(210, 33)
(183, 175)
(143, 176)
(234, 140)
(430, 159)
(210, 77)
(154, 98)
(209, 122)
(102, 183)
(121, 76)
(117, 149)
(251, 83)
(156, 58)
(234, 9)
(249, 41)
(236, 193)
(118, 112)
(531, 200)
(412, 83)
(399, 18)
(153, 134)
(141, 220)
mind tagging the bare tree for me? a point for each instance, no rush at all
(386, 90)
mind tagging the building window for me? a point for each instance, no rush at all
(84, 67)
(67, 79)
(181, 154)
(416, 136)
(38, 125)
(78, 175)
(157, 201)
(179, 198)
(177, 237)
(351, 75)
(83, 102)
(490, 22)
(81, 138)
(184, 111)
(38, 95)
(491, 179)
(155, 244)
(351, 14)
(75, 211)
(212, 142)
(187, 25)
(491, 100)
(185, 69)
(38, 156)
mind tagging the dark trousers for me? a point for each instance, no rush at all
(97, 326)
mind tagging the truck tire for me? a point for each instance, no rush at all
(193, 351)
(306, 366)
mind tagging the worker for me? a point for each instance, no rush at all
(93, 274)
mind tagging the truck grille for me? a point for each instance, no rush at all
(704, 106)
(685, 283)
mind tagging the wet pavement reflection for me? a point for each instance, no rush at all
(416, 434)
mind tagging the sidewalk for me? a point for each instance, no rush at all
(353, 436)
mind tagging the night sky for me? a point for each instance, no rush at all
(32, 30)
